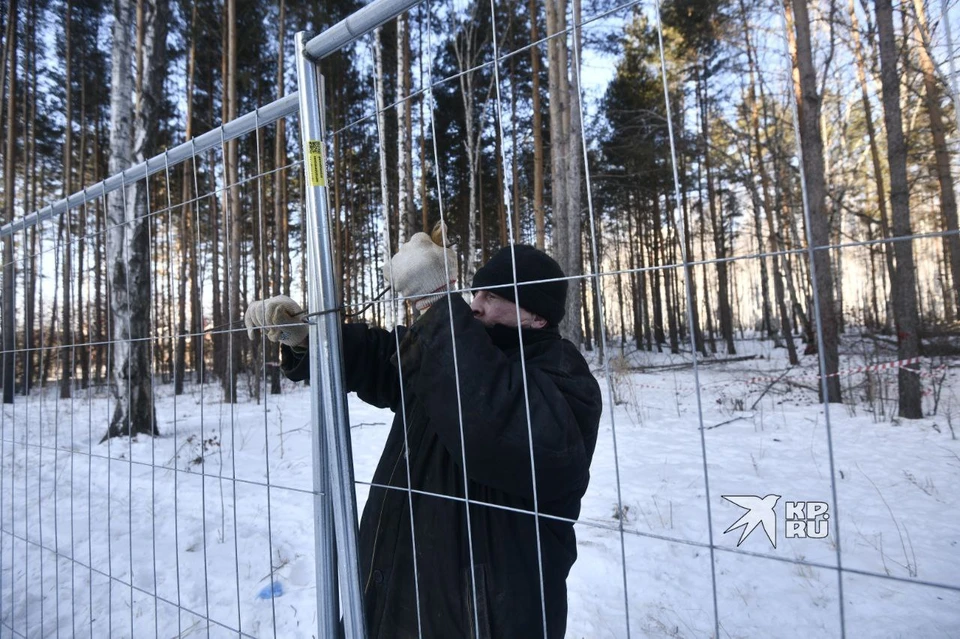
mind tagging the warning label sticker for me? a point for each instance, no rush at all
(316, 175)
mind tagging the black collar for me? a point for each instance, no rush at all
(508, 337)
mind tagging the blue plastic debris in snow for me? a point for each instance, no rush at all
(275, 589)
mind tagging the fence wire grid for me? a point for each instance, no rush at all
(240, 517)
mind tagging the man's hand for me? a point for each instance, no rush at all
(418, 269)
(279, 317)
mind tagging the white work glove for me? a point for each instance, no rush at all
(279, 317)
(418, 269)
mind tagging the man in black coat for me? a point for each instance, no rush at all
(455, 380)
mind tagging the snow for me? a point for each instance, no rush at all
(188, 515)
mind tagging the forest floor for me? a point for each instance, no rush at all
(188, 516)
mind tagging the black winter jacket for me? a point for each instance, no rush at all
(501, 596)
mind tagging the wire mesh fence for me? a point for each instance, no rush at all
(701, 318)
(109, 536)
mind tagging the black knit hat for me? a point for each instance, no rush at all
(546, 299)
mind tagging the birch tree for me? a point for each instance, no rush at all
(132, 133)
(467, 47)
(407, 217)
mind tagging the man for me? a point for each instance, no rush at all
(478, 428)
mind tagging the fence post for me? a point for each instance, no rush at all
(330, 419)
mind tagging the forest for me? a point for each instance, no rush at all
(705, 171)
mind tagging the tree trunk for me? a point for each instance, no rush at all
(711, 336)
(514, 154)
(574, 197)
(9, 190)
(620, 301)
(689, 272)
(407, 215)
(66, 327)
(656, 262)
(724, 310)
(101, 362)
(31, 277)
(467, 50)
(538, 212)
(769, 208)
(501, 190)
(82, 350)
(872, 138)
(948, 199)
(808, 106)
(128, 235)
(185, 227)
(564, 163)
(637, 280)
(381, 146)
(232, 212)
(281, 256)
(905, 297)
(216, 337)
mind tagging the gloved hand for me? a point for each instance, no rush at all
(279, 317)
(418, 269)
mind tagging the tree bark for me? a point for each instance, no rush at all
(281, 259)
(769, 208)
(574, 196)
(66, 327)
(9, 190)
(872, 138)
(948, 198)
(232, 211)
(380, 98)
(128, 236)
(31, 276)
(905, 297)
(407, 215)
(538, 211)
(724, 310)
(188, 267)
(467, 52)
(808, 106)
(82, 349)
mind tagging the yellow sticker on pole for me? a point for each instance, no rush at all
(316, 174)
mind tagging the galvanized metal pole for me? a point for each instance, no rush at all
(330, 418)
(357, 24)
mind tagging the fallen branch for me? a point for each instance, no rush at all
(729, 421)
(767, 389)
(706, 362)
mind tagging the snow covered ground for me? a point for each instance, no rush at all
(188, 515)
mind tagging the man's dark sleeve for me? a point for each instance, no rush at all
(564, 405)
(368, 367)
